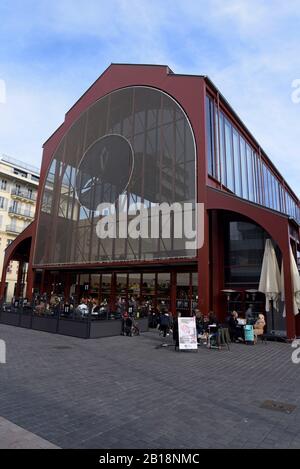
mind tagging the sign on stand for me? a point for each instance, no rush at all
(187, 334)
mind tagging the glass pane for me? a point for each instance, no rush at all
(95, 285)
(229, 156)
(250, 174)
(255, 175)
(244, 169)
(148, 288)
(163, 290)
(134, 285)
(194, 291)
(210, 136)
(122, 285)
(105, 287)
(222, 149)
(217, 140)
(183, 303)
(237, 164)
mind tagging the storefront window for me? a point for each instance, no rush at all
(84, 285)
(134, 285)
(194, 291)
(183, 300)
(149, 289)
(122, 285)
(106, 282)
(164, 290)
(95, 285)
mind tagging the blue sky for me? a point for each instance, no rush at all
(51, 51)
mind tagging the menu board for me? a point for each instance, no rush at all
(187, 334)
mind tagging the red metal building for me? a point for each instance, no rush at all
(188, 145)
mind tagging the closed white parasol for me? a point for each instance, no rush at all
(269, 283)
(295, 284)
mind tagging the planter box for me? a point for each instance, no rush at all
(73, 328)
(25, 321)
(12, 319)
(44, 324)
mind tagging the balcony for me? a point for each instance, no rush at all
(23, 195)
(12, 229)
(13, 211)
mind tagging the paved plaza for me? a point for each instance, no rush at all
(124, 392)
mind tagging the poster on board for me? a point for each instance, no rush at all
(187, 334)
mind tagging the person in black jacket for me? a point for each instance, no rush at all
(212, 319)
(176, 330)
(165, 322)
(234, 327)
(127, 323)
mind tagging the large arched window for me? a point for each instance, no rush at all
(134, 146)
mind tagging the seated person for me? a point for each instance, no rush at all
(235, 330)
(41, 308)
(259, 326)
(82, 309)
(212, 319)
(199, 322)
(95, 307)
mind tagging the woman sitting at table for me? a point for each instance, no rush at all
(259, 327)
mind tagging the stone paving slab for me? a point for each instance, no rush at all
(124, 392)
(14, 437)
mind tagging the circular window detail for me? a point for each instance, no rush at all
(104, 171)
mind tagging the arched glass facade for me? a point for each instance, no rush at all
(134, 146)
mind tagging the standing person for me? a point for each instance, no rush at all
(124, 317)
(249, 314)
(128, 325)
(165, 322)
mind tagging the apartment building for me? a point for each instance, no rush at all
(18, 188)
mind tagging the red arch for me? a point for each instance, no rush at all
(11, 252)
(275, 224)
